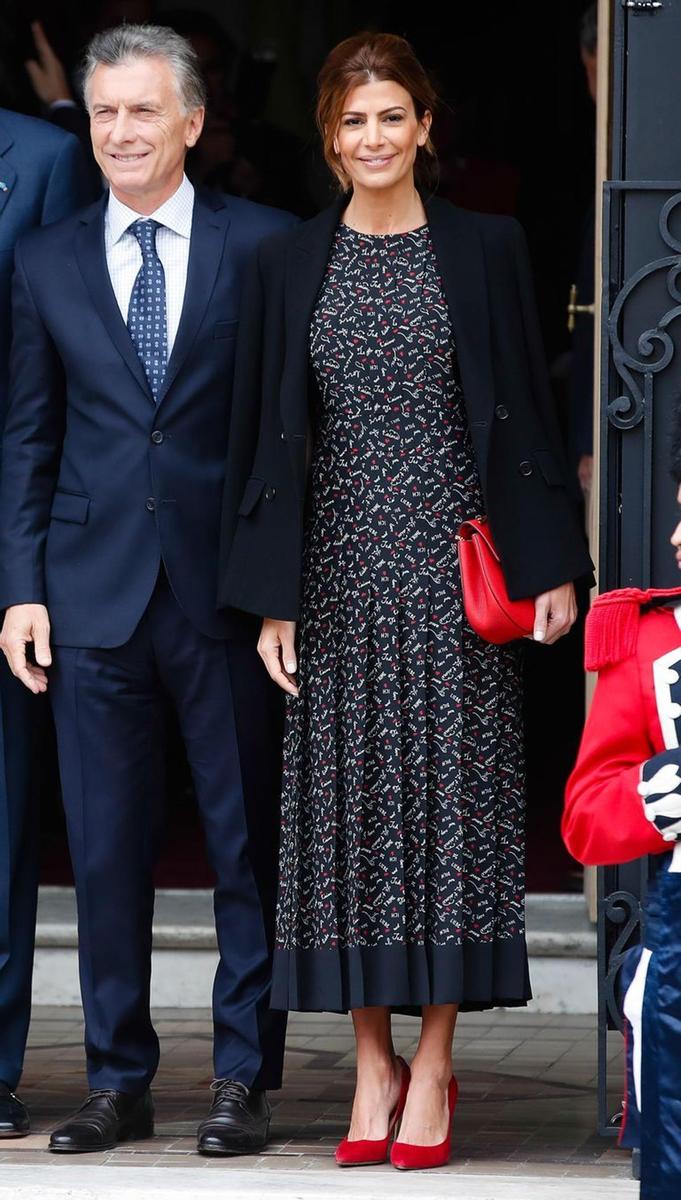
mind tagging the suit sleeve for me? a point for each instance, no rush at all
(31, 449)
(604, 821)
(70, 185)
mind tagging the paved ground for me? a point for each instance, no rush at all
(524, 1126)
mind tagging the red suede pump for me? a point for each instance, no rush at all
(407, 1157)
(363, 1152)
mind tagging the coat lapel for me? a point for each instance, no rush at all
(210, 223)
(91, 257)
(8, 174)
(305, 271)
(460, 254)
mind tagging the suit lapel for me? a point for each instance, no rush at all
(210, 222)
(8, 174)
(91, 257)
(460, 254)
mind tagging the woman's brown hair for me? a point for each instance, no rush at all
(361, 59)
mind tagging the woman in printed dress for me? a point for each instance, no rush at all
(389, 384)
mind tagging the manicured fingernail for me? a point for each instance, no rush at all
(539, 635)
(290, 666)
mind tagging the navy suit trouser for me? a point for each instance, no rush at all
(108, 706)
(19, 858)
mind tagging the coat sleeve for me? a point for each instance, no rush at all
(603, 818)
(541, 386)
(575, 551)
(245, 417)
(31, 449)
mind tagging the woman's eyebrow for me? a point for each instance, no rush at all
(351, 112)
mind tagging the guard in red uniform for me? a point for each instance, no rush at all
(623, 801)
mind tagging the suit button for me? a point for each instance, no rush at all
(283, 436)
(150, 504)
(270, 493)
(525, 468)
(501, 412)
(157, 437)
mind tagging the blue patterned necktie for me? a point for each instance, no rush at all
(147, 320)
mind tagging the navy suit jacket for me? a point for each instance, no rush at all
(43, 177)
(99, 484)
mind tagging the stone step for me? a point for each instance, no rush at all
(71, 1181)
(561, 944)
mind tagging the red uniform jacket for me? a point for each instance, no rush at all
(635, 715)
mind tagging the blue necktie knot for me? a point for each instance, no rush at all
(145, 232)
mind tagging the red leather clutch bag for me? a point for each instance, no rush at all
(488, 607)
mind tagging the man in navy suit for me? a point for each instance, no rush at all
(125, 321)
(43, 177)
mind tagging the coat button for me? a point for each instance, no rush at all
(270, 493)
(150, 504)
(525, 468)
(501, 412)
(157, 437)
(283, 436)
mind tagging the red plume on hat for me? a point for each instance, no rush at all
(611, 631)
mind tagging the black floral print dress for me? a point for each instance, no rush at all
(402, 847)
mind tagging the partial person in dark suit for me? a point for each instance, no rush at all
(51, 85)
(125, 320)
(43, 177)
(390, 383)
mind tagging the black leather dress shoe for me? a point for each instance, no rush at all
(103, 1120)
(14, 1120)
(238, 1121)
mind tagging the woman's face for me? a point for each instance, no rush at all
(379, 134)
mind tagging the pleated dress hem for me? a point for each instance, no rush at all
(474, 975)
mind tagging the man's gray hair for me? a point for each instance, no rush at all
(125, 43)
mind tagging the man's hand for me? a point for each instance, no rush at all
(47, 74)
(554, 614)
(276, 647)
(585, 471)
(26, 623)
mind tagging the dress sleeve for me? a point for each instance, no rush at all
(603, 819)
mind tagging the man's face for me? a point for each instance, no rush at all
(140, 134)
(676, 536)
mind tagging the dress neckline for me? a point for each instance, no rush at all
(383, 236)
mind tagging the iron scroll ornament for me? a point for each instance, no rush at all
(626, 411)
(620, 908)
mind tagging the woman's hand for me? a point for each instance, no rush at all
(277, 649)
(555, 613)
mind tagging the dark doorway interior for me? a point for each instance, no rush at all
(515, 135)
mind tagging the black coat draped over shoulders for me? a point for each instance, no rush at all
(486, 274)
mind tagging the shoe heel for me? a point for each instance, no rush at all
(137, 1133)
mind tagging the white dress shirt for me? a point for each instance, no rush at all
(124, 257)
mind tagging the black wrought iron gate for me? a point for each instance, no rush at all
(640, 376)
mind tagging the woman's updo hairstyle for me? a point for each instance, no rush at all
(361, 59)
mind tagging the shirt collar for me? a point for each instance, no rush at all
(175, 213)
